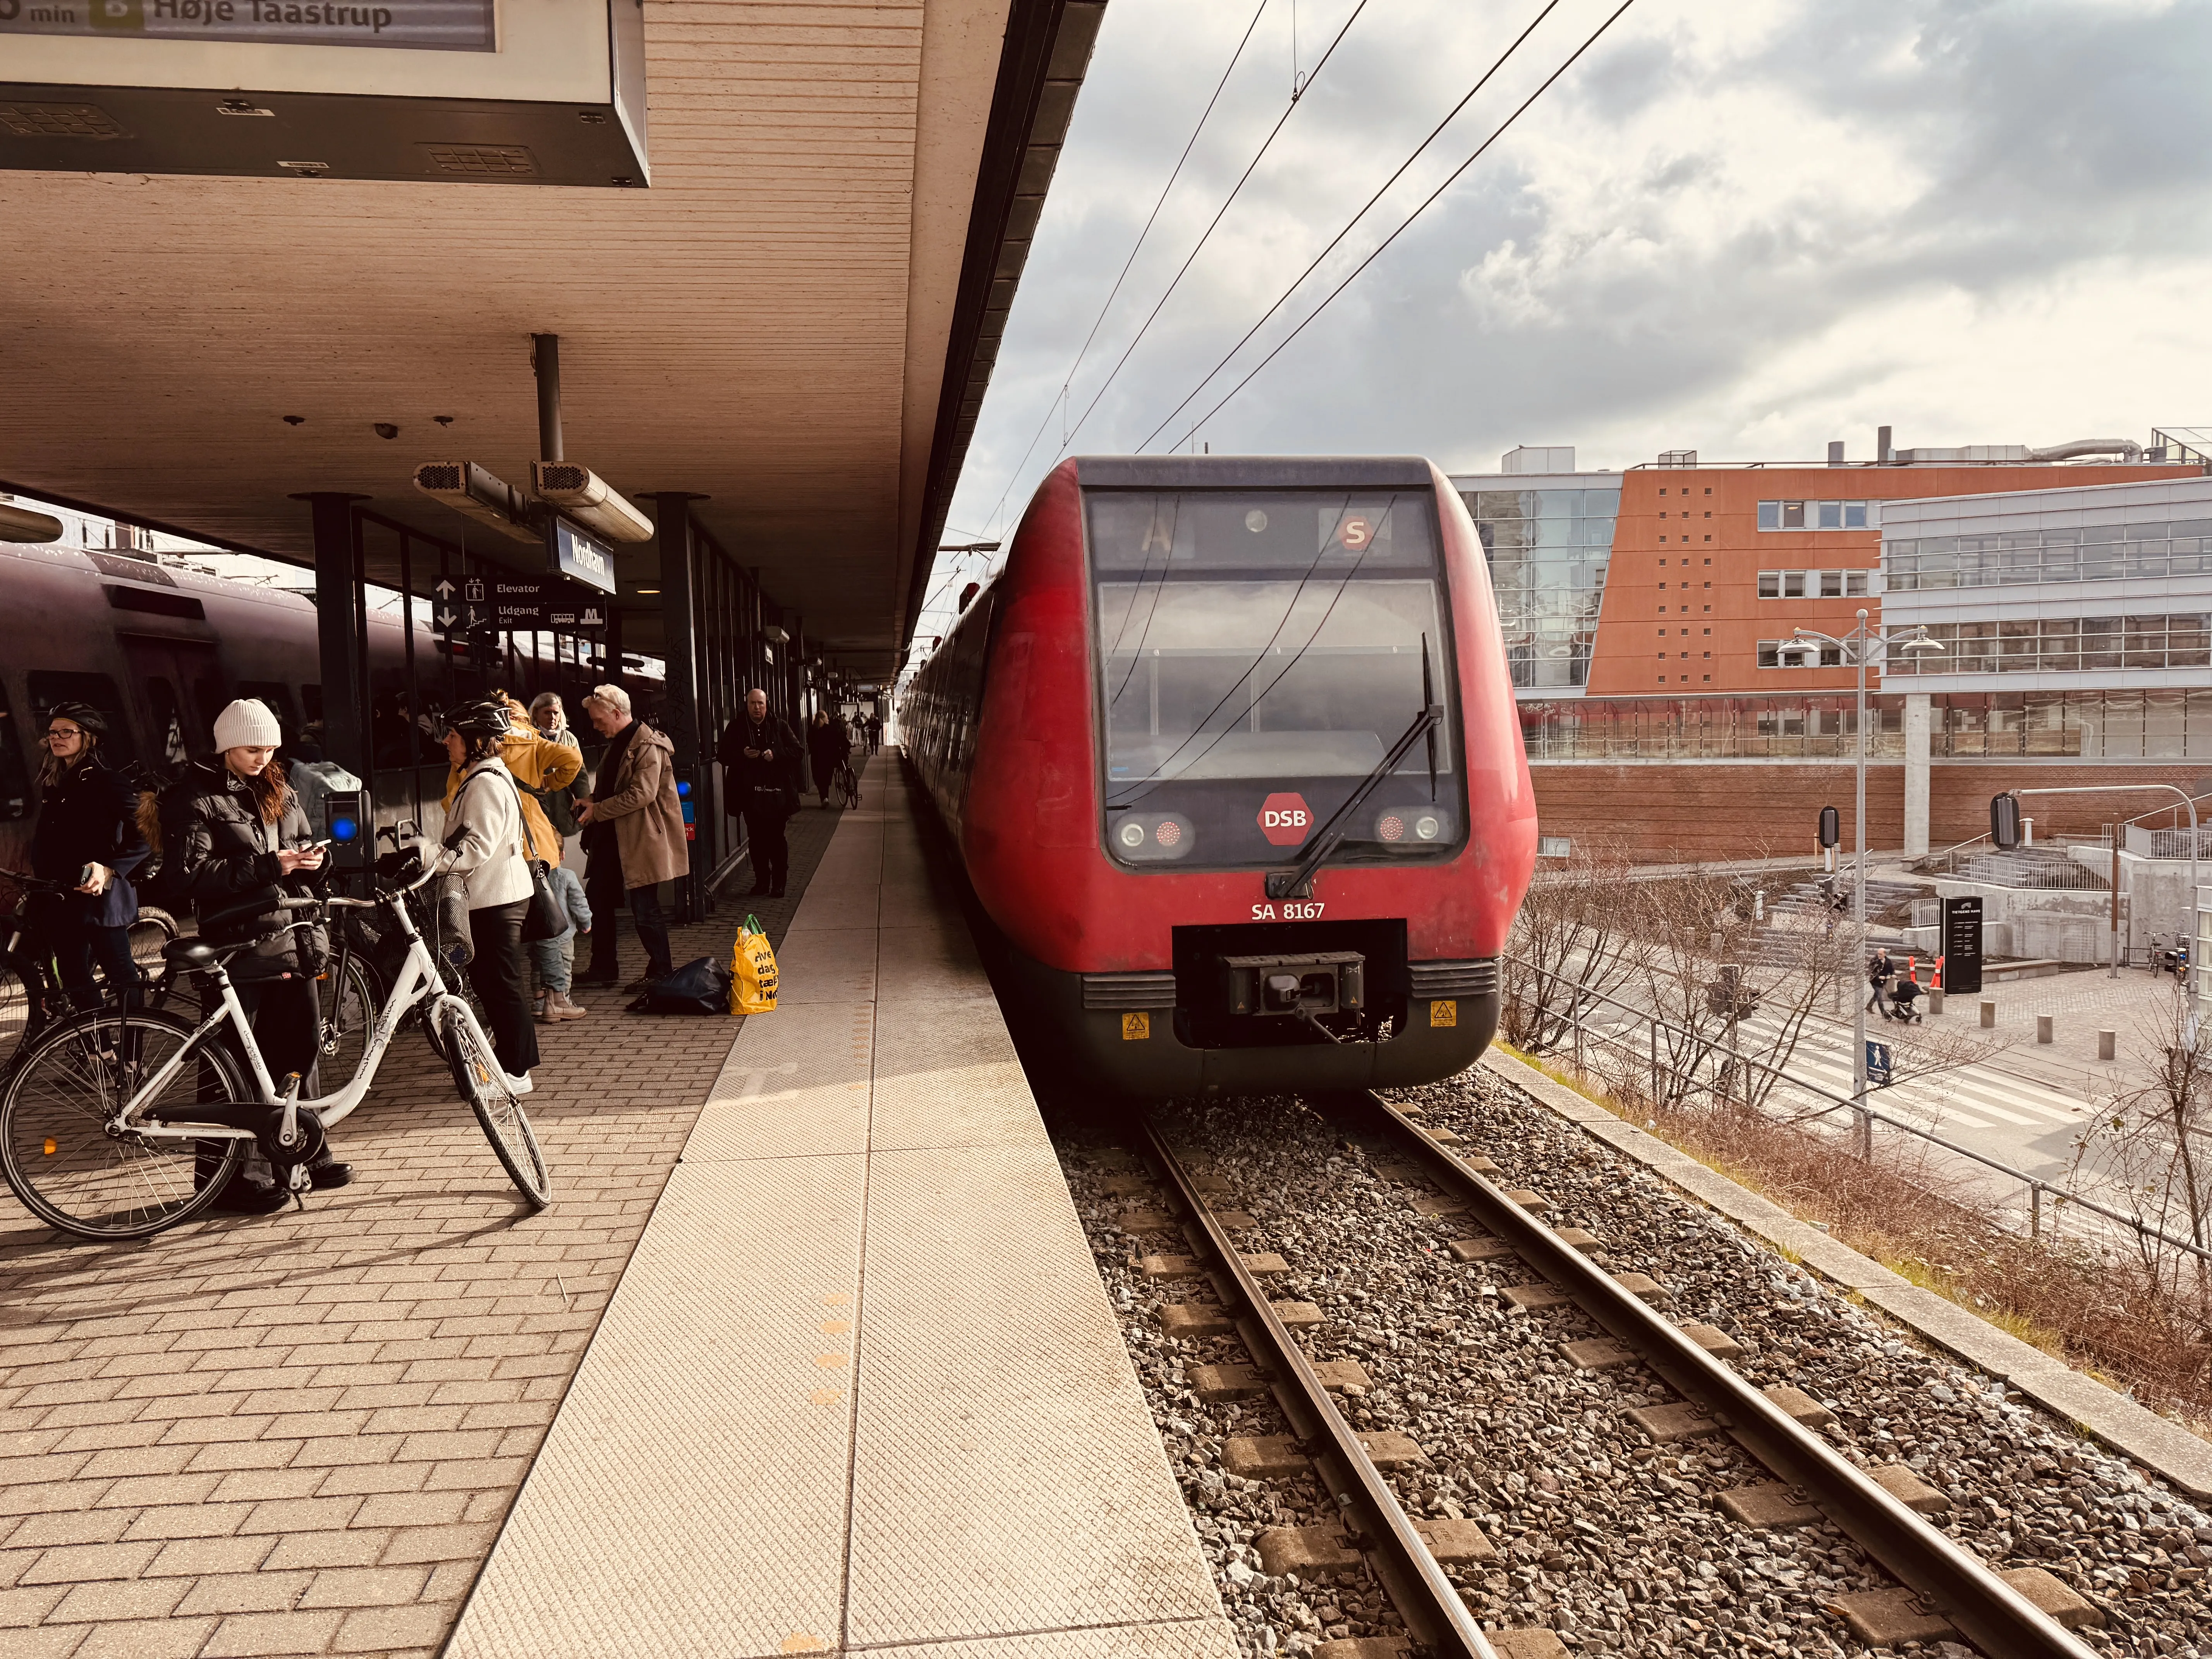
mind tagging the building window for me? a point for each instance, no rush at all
(1813, 584)
(1818, 515)
(2063, 645)
(2084, 553)
(1548, 552)
(1799, 654)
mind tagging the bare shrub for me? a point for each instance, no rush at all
(1570, 946)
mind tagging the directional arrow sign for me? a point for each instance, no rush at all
(443, 590)
(446, 620)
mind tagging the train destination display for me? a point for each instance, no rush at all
(422, 24)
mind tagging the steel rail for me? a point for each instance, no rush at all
(1987, 1611)
(1427, 1599)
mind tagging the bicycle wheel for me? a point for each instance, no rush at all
(506, 1124)
(23, 1010)
(348, 994)
(67, 1166)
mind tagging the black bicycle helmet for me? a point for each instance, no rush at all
(487, 717)
(87, 717)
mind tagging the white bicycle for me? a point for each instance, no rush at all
(124, 1124)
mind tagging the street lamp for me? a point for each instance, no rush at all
(1859, 645)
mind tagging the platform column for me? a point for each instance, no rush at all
(1916, 723)
(338, 631)
(678, 649)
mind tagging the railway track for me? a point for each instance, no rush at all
(1948, 1594)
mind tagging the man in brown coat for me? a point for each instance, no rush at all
(633, 835)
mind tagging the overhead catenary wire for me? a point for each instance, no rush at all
(1206, 234)
(1107, 305)
(1404, 224)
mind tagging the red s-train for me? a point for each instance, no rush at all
(1229, 754)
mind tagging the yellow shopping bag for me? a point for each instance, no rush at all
(752, 971)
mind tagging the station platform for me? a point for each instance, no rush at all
(859, 1386)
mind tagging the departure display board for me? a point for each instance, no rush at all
(1962, 944)
(423, 25)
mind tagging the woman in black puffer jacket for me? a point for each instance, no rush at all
(87, 839)
(232, 828)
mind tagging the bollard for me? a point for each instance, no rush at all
(2108, 1044)
(1988, 1016)
(2043, 1028)
(1935, 999)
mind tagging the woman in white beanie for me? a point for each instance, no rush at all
(231, 829)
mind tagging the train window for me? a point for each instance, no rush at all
(1280, 641)
(16, 798)
(49, 687)
(169, 721)
(1290, 532)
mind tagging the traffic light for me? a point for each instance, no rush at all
(2004, 822)
(1832, 827)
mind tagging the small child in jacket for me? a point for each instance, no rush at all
(556, 957)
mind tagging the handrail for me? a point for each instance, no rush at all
(1915, 862)
(2036, 1185)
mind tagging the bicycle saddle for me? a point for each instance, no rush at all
(190, 954)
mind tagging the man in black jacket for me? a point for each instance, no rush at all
(760, 756)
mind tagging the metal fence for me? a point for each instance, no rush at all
(1678, 1063)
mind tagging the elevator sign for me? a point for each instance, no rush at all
(1285, 819)
(423, 25)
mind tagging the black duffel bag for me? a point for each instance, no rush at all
(701, 987)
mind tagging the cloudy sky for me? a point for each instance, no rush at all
(1744, 228)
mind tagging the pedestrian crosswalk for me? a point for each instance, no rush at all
(1976, 1097)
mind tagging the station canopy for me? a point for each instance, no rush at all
(796, 320)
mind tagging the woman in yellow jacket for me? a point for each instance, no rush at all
(537, 762)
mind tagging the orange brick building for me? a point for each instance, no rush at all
(1649, 617)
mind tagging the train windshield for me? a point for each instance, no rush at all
(1260, 654)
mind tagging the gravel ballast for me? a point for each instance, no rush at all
(1617, 1544)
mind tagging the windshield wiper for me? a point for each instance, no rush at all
(1296, 882)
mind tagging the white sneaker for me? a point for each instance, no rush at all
(518, 1085)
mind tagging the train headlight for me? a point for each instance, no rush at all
(1428, 827)
(1152, 837)
(1390, 827)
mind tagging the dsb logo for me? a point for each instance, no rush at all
(1285, 819)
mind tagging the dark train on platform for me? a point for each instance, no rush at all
(1229, 751)
(161, 649)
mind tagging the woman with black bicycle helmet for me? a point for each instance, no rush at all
(484, 833)
(233, 832)
(88, 840)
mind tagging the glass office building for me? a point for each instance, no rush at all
(1548, 541)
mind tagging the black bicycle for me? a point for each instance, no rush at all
(31, 996)
(844, 786)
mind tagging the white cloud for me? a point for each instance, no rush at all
(1744, 228)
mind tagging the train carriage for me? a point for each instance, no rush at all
(1229, 753)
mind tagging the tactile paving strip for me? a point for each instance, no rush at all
(947, 1075)
(1006, 1473)
(1209, 1639)
(689, 1498)
(796, 1083)
(931, 961)
(827, 964)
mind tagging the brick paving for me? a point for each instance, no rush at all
(298, 1434)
